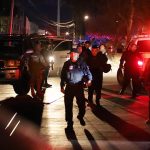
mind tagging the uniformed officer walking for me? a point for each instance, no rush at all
(128, 62)
(96, 65)
(72, 77)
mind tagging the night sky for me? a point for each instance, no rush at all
(38, 10)
(103, 13)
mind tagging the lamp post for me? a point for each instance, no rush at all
(86, 18)
(11, 17)
(58, 17)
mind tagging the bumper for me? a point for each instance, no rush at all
(9, 75)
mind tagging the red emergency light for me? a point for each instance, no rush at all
(140, 63)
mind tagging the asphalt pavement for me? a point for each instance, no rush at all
(119, 124)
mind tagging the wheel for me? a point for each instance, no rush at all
(120, 74)
(22, 86)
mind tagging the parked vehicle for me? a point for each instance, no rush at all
(143, 48)
(12, 70)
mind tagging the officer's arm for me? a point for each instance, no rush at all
(122, 59)
(87, 73)
(105, 58)
(42, 60)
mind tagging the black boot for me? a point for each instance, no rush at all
(69, 126)
(82, 122)
(98, 102)
(121, 92)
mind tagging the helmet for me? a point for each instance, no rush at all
(106, 68)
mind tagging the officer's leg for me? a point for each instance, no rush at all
(135, 84)
(39, 81)
(126, 81)
(98, 88)
(68, 100)
(98, 95)
(81, 104)
(90, 93)
(32, 84)
(46, 72)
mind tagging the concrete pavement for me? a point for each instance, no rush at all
(118, 125)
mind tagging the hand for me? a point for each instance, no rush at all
(89, 83)
(62, 90)
(121, 67)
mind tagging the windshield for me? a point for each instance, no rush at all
(62, 45)
(10, 47)
(143, 46)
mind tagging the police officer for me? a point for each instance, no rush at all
(86, 52)
(46, 53)
(72, 75)
(37, 65)
(96, 63)
(128, 61)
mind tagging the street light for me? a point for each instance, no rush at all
(67, 33)
(86, 17)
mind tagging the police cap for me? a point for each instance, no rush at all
(87, 42)
(95, 46)
(79, 45)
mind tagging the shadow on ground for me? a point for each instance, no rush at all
(129, 131)
(91, 140)
(71, 136)
(20, 120)
(27, 107)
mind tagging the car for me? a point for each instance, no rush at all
(143, 48)
(12, 69)
(58, 51)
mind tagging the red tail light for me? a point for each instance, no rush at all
(140, 63)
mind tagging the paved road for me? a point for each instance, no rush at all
(118, 125)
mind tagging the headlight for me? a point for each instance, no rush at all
(51, 59)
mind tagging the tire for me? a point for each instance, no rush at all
(120, 74)
(22, 86)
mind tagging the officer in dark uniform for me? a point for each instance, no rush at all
(96, 63)
(73, 74)
(46, 53)
(128, 61)
(86, 52)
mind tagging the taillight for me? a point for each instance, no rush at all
(12, 63)
(140, 63)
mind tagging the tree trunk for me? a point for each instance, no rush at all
(130, 23)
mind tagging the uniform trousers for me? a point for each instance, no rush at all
(72, 91)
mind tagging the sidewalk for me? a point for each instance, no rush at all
(113, 127)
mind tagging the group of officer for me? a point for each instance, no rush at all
(84, 68)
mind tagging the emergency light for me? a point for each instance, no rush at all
(140, 63)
